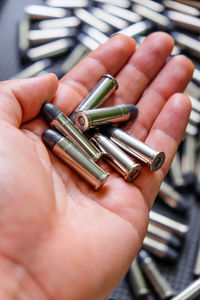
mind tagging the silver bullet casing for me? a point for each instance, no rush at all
(75, 158)
(92, 118)
(57, 120)
(191, 292)
(134, 147)
(102, 91)
(116, 157)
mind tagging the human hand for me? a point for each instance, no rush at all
(60, 239)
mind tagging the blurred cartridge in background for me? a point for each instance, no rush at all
(87, 119)
(75, 158)
(191, 292)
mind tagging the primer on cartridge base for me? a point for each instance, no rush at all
(134, 147)
(117, 158)
(68, 4)
(75, 158)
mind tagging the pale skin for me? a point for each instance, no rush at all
(60, 239)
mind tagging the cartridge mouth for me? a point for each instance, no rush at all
(157, 161)
(133, 172)
(115, 83)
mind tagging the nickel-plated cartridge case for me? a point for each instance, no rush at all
(159, 249)
(175, 172)
(102, 91)
(33, 70)
(87, 41)
(184, 20)
(196, 270)
(123, 13)
(184, 41)
(168, 224)
(68, 4)
(57, 120)
(137, 28)
(120, 3)
(40, 12)
(23, 29)
(186, 9)
(173, 198)
(134, 147)
(191, 292)
(93, 118)
(116, 157)
(196, 76)
(94, 33)
(163, 236)
(68, 22)
(150, 4)
(49, 49)
(158, 281)
(137, 280)
(74, 158)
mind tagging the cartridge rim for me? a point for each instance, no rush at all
(157, 161)
(115, 83)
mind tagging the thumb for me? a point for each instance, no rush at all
(21, 99)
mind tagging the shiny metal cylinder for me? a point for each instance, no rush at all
(49, 49)
(134, 147)
(194, 117)
(108, 18)
(137, 281)
(191, 130)
(68, 22)
(59, 121)
(120, 3)
(191, 292)
(195, 105)
(193, 89)
(23, 29)
(68, 4)
(116, 157)
(190, 3)
(94, 33)
(189, 159)
(123, 13)
(184, 20)
(40, 12)
(33, 70)
(159, 249)
(173, 198)
(196, 270)
(102, 91)
(186, 9)
(158, 281)
(150, 4)
(87, 41)
(157, 18)
(175, 172)
(41, 36)
(184, 41)
(73, 58)
(90, 19)
(163, 236)
(196, 76)
(93, 118)
(168, 224)
(75, 158)
(137, 28)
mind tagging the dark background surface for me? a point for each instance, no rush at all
(178, 273)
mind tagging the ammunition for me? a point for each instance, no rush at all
(195, 107)
(157, 18)
(50, 49)
(150, 4)
(191, 130)
(196, 76)
(136, 148)
(184, 20)
(194, 117)
(173, 198)
(138, 28)
(160, 284)
(112, 20)
(193, 89)
(41, 36)
(75, 158)
(190, 3)
(189, 160)
(68, 4)
(186, 42)
(196, 270)
(57, 120)
(23, 29)
(137, 281)
(159, 249)
(87, 41)
(168, 224)
(68, 22)
(86, 119)
(120, 3)
(163, 236)
(94, 33)
(197, 173)
(191, 292)
(102, 91)
(175, 172)
(40, 12)
(119, 160)
(123, 13)
(33, 70)
(90, 19)
(186, 9)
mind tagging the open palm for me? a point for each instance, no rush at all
(59, 239)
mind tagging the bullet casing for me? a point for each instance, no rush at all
(94, 33)
(101, 92)
(137, 28)
(184, 41)
(93, 118)
(120, 3)
(176, 172)
(75, 158)
(189, 159)
(87, 41)
(68, 4)
(68, 22)
(186, 9)
(40, 12)
(184, 20)
(168, 224)
(117, 158)
(33, 70)
(123, 13)
(137, 281)
(150, 4)
(196, 270)
(134, 147)
(160, 284)
(23, 29)
(191, 292)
